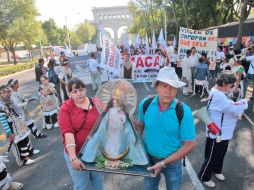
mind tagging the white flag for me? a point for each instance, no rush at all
(161, 40)
(137, 41)
(154, 43)
(147, 45)
(110, 56)
(174, 43)
(126, 42)
(67, 51)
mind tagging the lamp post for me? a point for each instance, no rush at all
(67, 31)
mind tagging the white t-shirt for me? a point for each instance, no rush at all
(251, 67)
(92, 65)
(195, 59)
(220, 55)
(221, 104)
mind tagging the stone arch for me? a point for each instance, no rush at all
(121, 31)
(110, 31)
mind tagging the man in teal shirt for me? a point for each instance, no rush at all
(166, 138)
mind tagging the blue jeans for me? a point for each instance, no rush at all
(173, 177)
(82, 180)
(246, 84)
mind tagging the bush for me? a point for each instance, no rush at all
(16, 68)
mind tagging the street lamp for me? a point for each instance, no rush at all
(67, 31)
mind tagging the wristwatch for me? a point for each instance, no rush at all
(163, 164)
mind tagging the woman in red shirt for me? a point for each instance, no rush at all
(77, 117)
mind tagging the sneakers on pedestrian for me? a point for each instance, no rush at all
(209, 183)
(36, 152)
(15, 186)
(56, 125)
(28, 162)
(220, 177)
(42, 135)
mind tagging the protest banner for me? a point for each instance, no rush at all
(110, 56)
(145, 67)
(203, 40)
(79, 67)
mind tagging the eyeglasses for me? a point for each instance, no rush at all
(75, 91)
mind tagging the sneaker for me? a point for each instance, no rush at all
(56, 125)
(28, 162)
(41, 136)
(209, 183)
(36, 152)
(220, 177)
(15, 186)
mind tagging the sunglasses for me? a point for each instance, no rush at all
(75, 91)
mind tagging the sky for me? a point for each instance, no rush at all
(76, 11)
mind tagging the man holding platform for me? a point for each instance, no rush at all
(169, 130)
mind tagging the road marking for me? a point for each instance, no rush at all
(146, 87)
(249, 120)
(193, 175)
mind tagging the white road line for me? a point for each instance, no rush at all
(146, 87)
(193, 175)
(249, 120)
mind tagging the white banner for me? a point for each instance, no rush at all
(110, 56)
(145, 68)
(203, 40)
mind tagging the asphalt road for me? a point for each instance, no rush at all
(49, 172)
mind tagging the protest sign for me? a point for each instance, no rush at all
(79, 67)
(110, 56)
(203, 40)
(145, 67)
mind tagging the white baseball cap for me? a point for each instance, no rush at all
(168, 75)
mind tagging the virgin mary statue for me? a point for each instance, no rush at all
(113, 137)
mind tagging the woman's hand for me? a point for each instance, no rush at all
(77, 164)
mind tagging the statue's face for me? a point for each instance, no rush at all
(115, 103)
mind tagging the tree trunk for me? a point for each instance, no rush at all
(14, 56)
(242, 19)
(185, 14)
(7, 53)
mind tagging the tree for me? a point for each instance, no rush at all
(245, 10)
(85, 31)
(54, 34)
(13, 16)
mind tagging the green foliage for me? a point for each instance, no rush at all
(85, 31)
(53, 33)
(149, 15)
(16, 68)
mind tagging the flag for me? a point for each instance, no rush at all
(126, 42)
(175, 42)
(154, 43)
(110, 56)
(161, 40)
(147, 45)
(137, 41)
(67, 51)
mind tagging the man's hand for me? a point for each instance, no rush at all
(77, 165)
(11, 137)
(157, 169)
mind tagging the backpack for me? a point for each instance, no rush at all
(178, 109)
(53, 78)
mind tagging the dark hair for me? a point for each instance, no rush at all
(220, 47)
(204, 54)
(52, 62)
(77, 83)
(4, 88)
(175, 49)
(62, 53)
(226, 79)
(92, 55)
(188, 52)
(193, 48)
(41, 60)
(237, 51)
(11, 82)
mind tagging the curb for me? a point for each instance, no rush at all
(4, 77)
